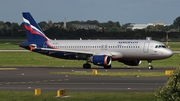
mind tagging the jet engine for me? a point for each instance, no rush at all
(101, 60)
(131, 62)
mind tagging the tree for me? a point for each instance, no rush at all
(149, 28)
(1, 26)
(176, 22)
(110, 26)
(171, 90)
(159, 28)
(21, 26)
(113, 29)
(123, 27)
(93, 22)
(14, 29)
(44, 25)
(8, 24)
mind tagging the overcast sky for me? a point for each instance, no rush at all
(124, 11)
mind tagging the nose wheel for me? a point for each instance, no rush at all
(150, 65)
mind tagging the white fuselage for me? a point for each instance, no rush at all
(118, 49)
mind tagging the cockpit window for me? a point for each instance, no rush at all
(163, 46)
(160, 46)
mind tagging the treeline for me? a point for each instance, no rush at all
(107, 30)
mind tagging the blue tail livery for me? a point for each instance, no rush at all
(33, 32)
(98, 52)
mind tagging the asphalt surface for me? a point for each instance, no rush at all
(27, 79)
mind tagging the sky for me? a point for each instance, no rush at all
(123, 11)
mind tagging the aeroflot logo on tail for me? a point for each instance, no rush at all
(31, 28)
(128, 42)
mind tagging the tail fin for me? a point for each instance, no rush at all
(33, 32)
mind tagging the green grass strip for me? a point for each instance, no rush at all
(78, 96)
(8, 69)
(34, 59)
(127, 74)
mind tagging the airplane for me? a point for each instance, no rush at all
(98, 52)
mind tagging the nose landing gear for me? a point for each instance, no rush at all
(150, 65)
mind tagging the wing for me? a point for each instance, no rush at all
(67, 51)
(81, 52)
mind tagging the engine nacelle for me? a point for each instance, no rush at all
(101, 60)
(131, 62)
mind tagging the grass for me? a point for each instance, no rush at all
(9, 46)
(129, 74)
(34, 59)
(78, 96)
(174, 45)
(6, 44)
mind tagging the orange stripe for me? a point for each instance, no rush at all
(50, 45)
(105, 62)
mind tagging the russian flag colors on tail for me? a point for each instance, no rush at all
(33, 32)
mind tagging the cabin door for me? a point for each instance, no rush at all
(146, 47)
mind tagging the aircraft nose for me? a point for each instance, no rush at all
(168, 53)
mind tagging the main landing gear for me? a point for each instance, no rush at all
(107, 67)
(150, 65)
(86, 66)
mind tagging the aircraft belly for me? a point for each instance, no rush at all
(131, 54)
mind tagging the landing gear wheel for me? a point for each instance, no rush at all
(86, 66)
(107, 67)
(150, 67)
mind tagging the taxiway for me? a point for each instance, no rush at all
(29, 78)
